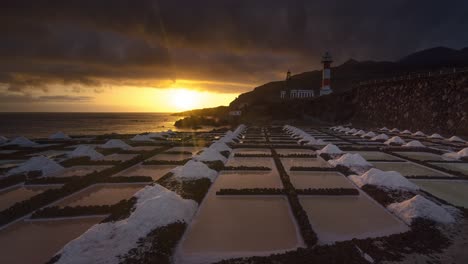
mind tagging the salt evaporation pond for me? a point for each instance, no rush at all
(420, 155)
(340, 218)
(119, 157)
(319, 179)
(452, 191)
(37, 241)
(80, 170)
(145, 148)
(375, 155)
(193, 150)
(250, 162)
(460, 167)
(173, 157)
(409, 169)
(50, 153)
(303, 162)
(153, 171)
(234, 226)
(102, 194)
(252, 151)
(295, 151)
(249, 179)
(13, 195)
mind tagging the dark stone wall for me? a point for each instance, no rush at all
(431, 104)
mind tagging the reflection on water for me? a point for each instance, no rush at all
(102, 195)
(153, 171)
(336, 218)
(11, 196)
(318, 179)
(303, 162)
(250, 162)
(454, 192)
(248, 179)
(407, 169)
(37, 241)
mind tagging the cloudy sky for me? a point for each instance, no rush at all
(169, 55)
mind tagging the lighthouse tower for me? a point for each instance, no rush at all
(326, 60)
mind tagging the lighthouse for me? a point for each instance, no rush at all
(326, 60)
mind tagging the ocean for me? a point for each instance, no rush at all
(40, 125)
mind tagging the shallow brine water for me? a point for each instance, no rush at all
(169, 157)
(17, 194)
(375, 155)
(319, 179)
(80, 170)
(408, 169)
(303, 162)
(336, 218)
(421, 155)
(119, 157)
(34, 242)
(153, 171)
(454, 192)
(232, 226)
(193, 150)
(250, 162)
(248, 179)
(295, 151)
(252, 151)
(102, 195)
(460, 167)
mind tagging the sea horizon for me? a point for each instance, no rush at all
(43, 124)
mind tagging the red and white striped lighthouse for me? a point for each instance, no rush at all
(326, 60)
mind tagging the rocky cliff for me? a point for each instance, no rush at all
(438, 103)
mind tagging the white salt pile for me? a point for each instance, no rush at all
(369, 134)
(387, 179)
(220, 146)
(456, 139)
(419, 134)
(418, 206)
(209, 154)
(350, 160)
(359, 133)
(395, 130)
(194, 170)
(352, 131)
(414, 144)
(59, 136)
(457, 155)
(85, 151)
(380, 137)
(346, 129)
(330, 149)
(141, 137)
(436, 136)
(3, 140)
(38, 163)
(406, 132)
(395, 140)
(103, 243)
(384, 129)
(22, 142)
(116, 143)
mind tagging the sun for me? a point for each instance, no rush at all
(184, 99)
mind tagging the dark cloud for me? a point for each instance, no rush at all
(123, 42)
(25, 98)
